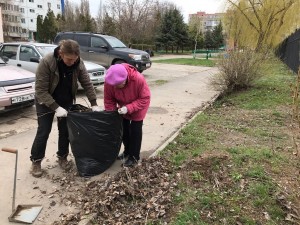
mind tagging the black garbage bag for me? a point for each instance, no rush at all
(95, 139)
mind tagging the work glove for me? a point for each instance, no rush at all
(61, 112)
(96, 108)
(122, 110)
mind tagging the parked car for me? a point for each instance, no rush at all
(27, 55)
(106, 50)
(16, 87)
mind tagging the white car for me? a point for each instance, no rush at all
(27, 56)
(16, 87)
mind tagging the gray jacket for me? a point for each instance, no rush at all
(47, 78)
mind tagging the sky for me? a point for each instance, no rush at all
(185, 6)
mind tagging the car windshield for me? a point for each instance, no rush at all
(44, 50)
(115, 42)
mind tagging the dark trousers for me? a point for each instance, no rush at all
(132, 138)
(45, 119)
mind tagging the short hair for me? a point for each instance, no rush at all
(69, 47)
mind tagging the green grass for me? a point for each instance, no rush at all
(186, 61)
(251, 127)
(190, 216)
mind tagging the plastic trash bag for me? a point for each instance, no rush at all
(95, 139)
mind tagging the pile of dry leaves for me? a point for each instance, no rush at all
(132, 196)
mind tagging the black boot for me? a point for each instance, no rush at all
(122, 156)
(130, 162)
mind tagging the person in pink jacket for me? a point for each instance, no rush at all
(127, 91)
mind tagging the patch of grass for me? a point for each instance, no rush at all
(270, 91)
(257, 171)
(261, 194)
(252, 127)
(209, 200)
(187, 61)
(191, 141)
(244, 155)
(190, 216)
(197, 176)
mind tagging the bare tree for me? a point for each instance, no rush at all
(195, 25)
(99, 18)
(77, 17)
(132, 17)
(68, 22)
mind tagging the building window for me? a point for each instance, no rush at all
(23, 20)
(31, 1)
(40, 6)
(58, 6)
(5, 17)
(31, 20)
(31, 10)
(49, 5)
(22, 10)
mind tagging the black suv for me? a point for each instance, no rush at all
(106, 50)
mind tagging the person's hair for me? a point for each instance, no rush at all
(69, 47)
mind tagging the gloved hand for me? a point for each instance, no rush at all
(61, 112)
(96, 108)
(122, 110)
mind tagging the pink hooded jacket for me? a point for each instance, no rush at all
(135, 95)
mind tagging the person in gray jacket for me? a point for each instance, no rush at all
(55, 92)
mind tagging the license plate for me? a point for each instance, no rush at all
(22, 98)
(147, 64)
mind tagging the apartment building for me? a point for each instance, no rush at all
(206, 21)
(19, 17)
(1, 29)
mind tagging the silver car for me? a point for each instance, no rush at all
(16, 87)
(27, 55)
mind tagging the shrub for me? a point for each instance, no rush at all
(238, 70)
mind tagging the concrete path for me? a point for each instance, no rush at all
(178, 92)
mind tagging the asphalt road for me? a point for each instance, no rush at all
(178, 93)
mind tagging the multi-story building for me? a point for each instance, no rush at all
(206, 21)
(20, 16)
(1, 29)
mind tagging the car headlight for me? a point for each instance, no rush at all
(135, 57)
(2, 91)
